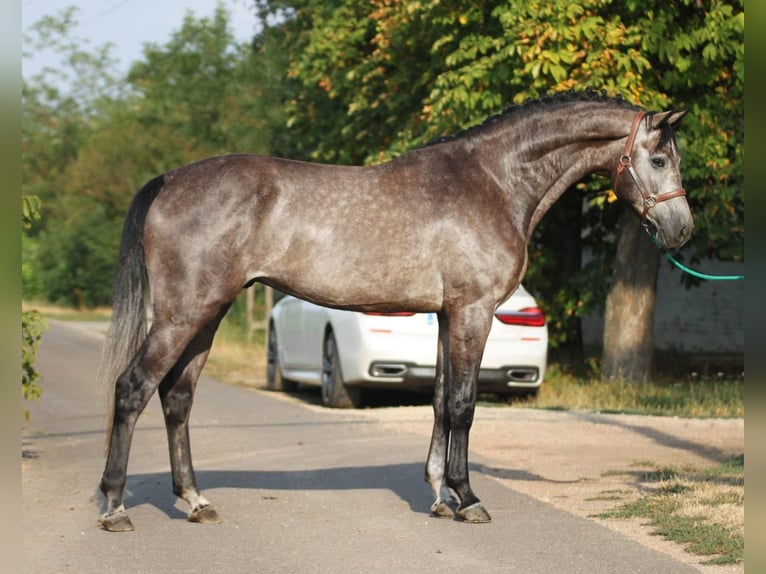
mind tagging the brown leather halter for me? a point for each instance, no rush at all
(650, 199)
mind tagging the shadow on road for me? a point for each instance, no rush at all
(405, 480)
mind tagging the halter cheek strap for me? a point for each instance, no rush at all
(649, 199)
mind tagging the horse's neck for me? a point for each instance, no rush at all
(545, 154)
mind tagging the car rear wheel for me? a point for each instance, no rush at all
(335, 394)
(274, 379)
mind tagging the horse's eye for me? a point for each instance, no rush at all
(659, 162)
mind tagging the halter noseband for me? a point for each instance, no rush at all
(649, 199)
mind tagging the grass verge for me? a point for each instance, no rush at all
(683, 398)
(236, 361)
(702, 510)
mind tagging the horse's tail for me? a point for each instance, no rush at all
(130, 295)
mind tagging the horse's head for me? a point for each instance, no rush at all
(649, 179)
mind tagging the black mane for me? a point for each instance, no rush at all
(589, 95)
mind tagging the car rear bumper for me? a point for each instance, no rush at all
(507, 379)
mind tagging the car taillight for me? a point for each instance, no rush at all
(527, 317)
(397, 314)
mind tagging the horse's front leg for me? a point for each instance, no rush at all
(444, 504)
(468, 331)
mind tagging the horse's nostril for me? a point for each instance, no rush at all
(684, 233)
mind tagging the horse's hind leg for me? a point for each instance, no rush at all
(134, 387)
(177, 394)
(436, 464)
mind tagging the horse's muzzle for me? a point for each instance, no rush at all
(673, 237)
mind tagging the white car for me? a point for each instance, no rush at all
(347, 351)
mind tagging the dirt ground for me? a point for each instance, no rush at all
(586, 463)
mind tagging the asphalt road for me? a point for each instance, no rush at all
(299, 489)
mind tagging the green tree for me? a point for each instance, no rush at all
(60, 104)
(202, 87)
(197, 95)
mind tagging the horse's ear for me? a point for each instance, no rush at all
(677, 117)
(670, 117)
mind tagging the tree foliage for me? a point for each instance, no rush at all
(33, 323)
(197, 95)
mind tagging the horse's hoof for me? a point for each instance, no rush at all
(117, 522)
(205, 515)
(475, 514)
(441, 509)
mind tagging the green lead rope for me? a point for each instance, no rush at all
(694, 273)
